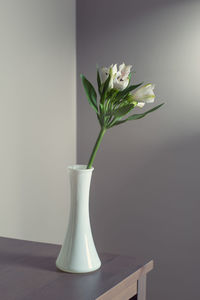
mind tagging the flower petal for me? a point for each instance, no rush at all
(104, 73)
(120, 84)
(125, 70)
(145, 93)
(121, 67)
(114, 69)
(140, 104)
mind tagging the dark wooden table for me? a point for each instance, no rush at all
(28, 272)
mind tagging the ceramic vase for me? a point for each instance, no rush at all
(78, 253)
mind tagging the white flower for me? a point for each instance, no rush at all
(119, 78)
(144, 95)
(105, 72)
(120, 83)
(124, 70)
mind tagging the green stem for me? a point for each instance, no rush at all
(96, 147)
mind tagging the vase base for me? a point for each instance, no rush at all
(68, 270)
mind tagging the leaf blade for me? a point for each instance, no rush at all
(120, 112)
(105, 88)
(118, 123)
(99, 82)
(140, 116)
(127, 90)
(90, 93)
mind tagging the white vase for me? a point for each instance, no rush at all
(78, 253)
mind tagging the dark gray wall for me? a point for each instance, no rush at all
(145, 191)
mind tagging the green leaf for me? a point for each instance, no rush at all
(112, 93)
(139, 116)
(99, 82)
(136, 116)
(129, 77)
(105, 89)
(99, 118)
(127, 90)
(113, 96)
(120, 112)
(90, 92)
(119, 122)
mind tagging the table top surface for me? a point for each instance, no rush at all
(28, 271)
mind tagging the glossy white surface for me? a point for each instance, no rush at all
(78, 253)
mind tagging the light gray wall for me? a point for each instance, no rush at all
(145, 192)
(37, 116)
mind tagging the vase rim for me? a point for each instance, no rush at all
(78, 168)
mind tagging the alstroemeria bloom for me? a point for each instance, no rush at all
(121, 80)
(144, 95)
(105, 72)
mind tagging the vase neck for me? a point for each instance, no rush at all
(80, 187)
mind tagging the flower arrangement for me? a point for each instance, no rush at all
(117, 99)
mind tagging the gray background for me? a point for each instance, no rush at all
(145, 191)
